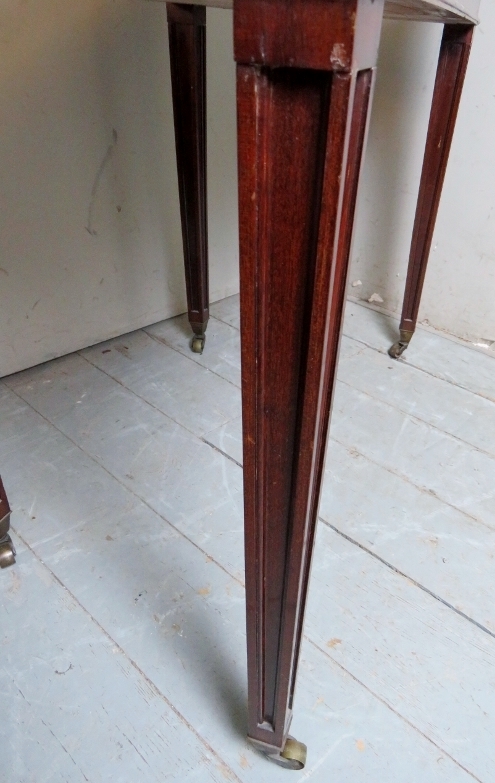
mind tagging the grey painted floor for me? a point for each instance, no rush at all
(122, 638)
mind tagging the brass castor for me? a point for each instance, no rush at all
(398, 348)
(198, 343)
(7, 552)
(293, 756)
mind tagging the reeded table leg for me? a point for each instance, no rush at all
(187, 43)
(452, 65)
(7, 550)
(301, 137)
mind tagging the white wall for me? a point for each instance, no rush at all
(459, 293)
(90, 242)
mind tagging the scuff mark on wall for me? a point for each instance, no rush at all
(96, 184)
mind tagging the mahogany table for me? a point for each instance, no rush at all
(305, 75)
(7, 551)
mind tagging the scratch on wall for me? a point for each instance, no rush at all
(96, 184)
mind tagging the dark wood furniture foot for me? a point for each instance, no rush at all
(7, 550)
(305, 72)
(452, 65)
(187, 44)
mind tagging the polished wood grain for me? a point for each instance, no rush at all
(187, 45)
(301, 138)
(452, 65)
(305, 75)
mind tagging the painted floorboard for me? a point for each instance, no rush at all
(440, 356)
(199, 400)
(178, 475)
(99, 495)
(445, 406)
(227, 310)
(438, 546)
(74, 708)
(175, 613)
(222, 355)
(381, 611)
(455, 472)
(228, 439)
(429, 664)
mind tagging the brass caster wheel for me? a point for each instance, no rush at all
(400, 346)
(293, 756)
(7, 552)
(397, 349)
(198, 343)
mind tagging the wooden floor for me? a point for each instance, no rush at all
(122, 638)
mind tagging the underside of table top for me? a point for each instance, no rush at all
(433, 10)
(453, 11)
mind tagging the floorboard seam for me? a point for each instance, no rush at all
(418, 418)
(209, 432)
(217, 318)
(424, 490)
(143, 399)
(409, 578)
(407, 363)
(423, 327)
(162, 341)
(125, 487)
(223, 453)
(133, 663)
(392, 709)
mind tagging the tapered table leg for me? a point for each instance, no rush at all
(187, 43)
(301, 137)
(452, 65)
(7, 551)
